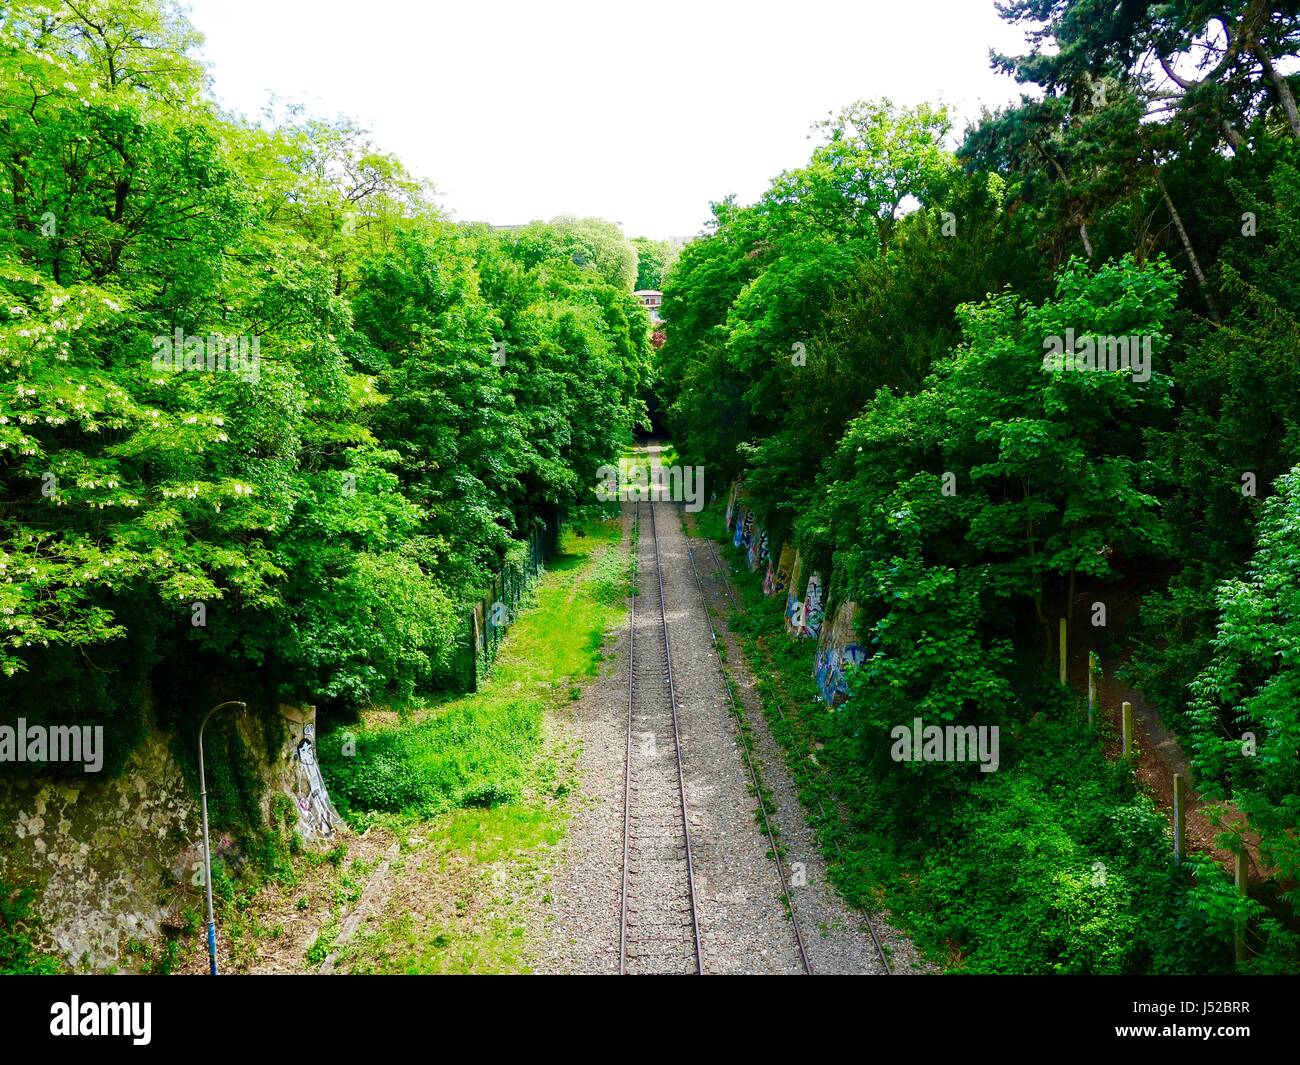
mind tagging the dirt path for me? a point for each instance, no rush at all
(1160, 754)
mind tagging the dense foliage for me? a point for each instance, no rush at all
(367, 406)
(269, 421)
(654, 259)
(868, 345)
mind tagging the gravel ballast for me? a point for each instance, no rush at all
(743, 920)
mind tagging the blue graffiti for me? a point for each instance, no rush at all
(831, 667)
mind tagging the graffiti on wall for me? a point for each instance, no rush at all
(784, 564)
(777, 578)
(317, 817)
(794, 598)
(813, 609)
(731, 503)
(757, 550)
(770, 578)
(839, 652)
(746, 525)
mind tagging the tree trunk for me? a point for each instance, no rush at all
(1280, 84)
(1187, 246)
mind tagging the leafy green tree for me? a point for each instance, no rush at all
(1210, 66)
(966, 512)
(587, 243)
(1244, 703)
(654, 258)
(762, 282)
(368, 405)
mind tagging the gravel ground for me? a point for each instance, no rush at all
(836, 935)
(743, 924)
(578, 931)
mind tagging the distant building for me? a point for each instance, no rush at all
(650, 299)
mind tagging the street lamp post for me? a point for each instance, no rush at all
(207, 853)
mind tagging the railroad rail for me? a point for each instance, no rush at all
(659, 928)
(724, 580)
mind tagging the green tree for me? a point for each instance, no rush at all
(1244, 703)
(586, 243)
(654, 258)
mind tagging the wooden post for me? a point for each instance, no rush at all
(1092, 684)
(1062, 641)
(1239, 938)
(472, 640)
(1180, 818)
(1126, 723)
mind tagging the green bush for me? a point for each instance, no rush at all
(471, 755)
(18, 955)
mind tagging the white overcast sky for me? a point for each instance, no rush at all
(639, 113)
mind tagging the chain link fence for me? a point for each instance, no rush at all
(488, 619)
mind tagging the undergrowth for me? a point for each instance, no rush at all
(1056, 863)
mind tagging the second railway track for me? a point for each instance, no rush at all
(747, 754)
(724, 581)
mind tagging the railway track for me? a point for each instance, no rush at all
(738, 714)
(659, 930)
(722, 578)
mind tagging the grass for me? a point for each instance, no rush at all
(474, 787)
(480, 749)
(480, 857)
(320, 949)
(668, 455)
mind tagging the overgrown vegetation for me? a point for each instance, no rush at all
(473, 777)
(1056, 863)
(19, 956)
(369, 406)
(482, 749)
(869, 345)
(270, 422)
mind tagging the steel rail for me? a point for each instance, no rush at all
(875, 939)
(739, 715)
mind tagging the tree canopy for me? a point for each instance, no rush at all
(367, 405)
